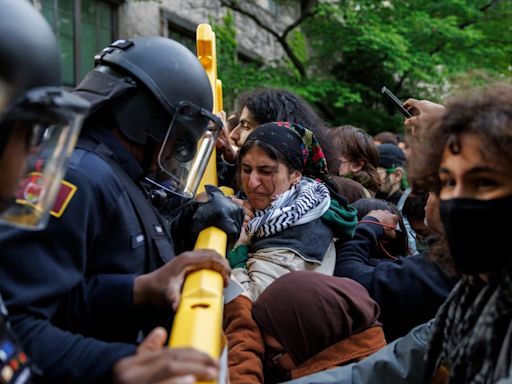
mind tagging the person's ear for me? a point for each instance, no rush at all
(398, 174)
(296, 177)
(356, 166)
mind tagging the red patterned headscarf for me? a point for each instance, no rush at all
(297, 144)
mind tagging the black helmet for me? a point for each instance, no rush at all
(37, 110)
(155, 91)
(166, 68)
(30, 56)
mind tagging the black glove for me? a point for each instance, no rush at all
(219, 211)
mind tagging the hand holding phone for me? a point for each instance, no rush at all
(388, 95)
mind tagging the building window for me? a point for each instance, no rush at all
(184, 32)
(179, 29)
(83, 28)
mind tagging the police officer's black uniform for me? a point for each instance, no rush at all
(69, 287)
(86, 261)
(31, 101)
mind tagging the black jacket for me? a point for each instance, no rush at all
(69, 287)
(409, 290)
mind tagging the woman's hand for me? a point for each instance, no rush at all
(248, 215)
(248, 210)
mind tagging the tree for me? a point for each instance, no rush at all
(342, 52)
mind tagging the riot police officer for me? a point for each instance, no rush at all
(105, 269)
(39, 124)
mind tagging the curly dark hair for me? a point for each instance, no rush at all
(486, 113)
(268, 104)
(356, 145)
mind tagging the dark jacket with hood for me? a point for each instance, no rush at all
(409, 290)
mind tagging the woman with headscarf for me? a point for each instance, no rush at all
(332, 323)
(291, 228)
(291, 224)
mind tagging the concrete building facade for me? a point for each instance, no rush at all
(83, 27)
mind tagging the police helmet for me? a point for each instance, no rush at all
(35, 108)
(157, 92)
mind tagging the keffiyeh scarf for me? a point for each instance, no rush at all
(472, 337)
(306, 201)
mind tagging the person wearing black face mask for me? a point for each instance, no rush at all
(473, 180)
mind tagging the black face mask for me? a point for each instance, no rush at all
(477, 232)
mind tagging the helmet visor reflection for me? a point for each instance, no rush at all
(187, 147)
(52, 119)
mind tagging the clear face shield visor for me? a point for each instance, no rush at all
(187, 148)
(48, 121)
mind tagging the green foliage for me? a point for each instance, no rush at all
(297, 42)
(351, 48)
(237, 76)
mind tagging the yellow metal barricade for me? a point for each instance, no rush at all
(198, 321)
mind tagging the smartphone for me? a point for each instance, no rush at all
(388, 95)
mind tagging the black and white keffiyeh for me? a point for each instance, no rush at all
(304, 202)
(472, 336)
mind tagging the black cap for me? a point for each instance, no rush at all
(390, 156)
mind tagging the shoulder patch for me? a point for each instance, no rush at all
(31, 188)
(66, 192)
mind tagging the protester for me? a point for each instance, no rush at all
(265, 105)
(413, 212)
(467, 161)
(409, 290)
(350, 153)
(391, 171)
(403, 144)
(290, 224)
(39, 124)
(278, 165)
(465, 158)
(332, 323)
(104, 270)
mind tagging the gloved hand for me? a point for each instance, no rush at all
(219, 211)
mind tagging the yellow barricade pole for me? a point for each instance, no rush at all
(198, 321)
